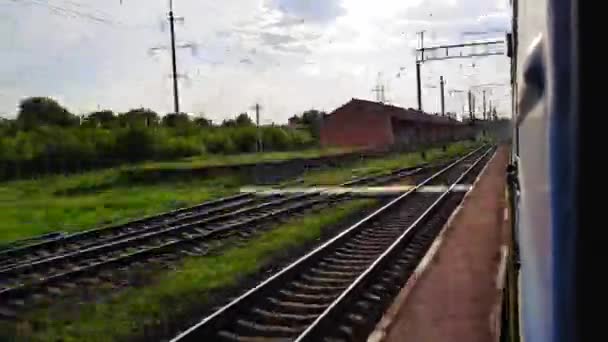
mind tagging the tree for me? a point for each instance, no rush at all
(201, 121)
(104, 118)
(176, 120)
(6, 127)
(243, 120)
(229, 123)
(312, 119)
(40, 111)
(295, 120)
(140, 117)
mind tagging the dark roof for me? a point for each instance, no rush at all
(408, 114)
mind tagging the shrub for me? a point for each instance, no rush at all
(219, 142)
(245, 139)
(178, 147)
(135, 144)
(277, 139)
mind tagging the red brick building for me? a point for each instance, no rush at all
(376, 125)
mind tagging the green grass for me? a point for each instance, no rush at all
(79, 202)
(29, 208)
(180, 291)
(379, 166)
(246, 158)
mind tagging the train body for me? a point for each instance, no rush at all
(543, 171)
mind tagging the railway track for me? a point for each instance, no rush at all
(46, 249)
(338, 291)
(54, 267)
(207, 212)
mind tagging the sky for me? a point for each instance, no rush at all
(287, 55)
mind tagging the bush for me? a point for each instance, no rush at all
(135, 144)
(54, 149)
(178, 147)
(301, 139)
(220, 143)
(277, 139)
(245, 139)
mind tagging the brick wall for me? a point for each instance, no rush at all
(366, 124)
(352, 127)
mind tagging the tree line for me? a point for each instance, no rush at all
(45, 138)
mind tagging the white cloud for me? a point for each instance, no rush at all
(290, 55)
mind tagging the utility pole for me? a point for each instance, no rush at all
(471, 106)
(484, 105)
(173, 49)
(257, 108)
(379, 90)
(174, 59)
(418, 86)
(382, 94)
(418, 65)
(441, 85)
(443, 52)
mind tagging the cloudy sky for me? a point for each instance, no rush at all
(288, 55)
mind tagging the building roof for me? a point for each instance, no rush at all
(408, 114)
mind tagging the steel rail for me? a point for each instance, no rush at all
(4, 254)
(150, 232)
(186, 335)
(23, 288)
(314, 329)
(121, 232)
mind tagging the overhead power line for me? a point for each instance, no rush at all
(69, 12)
(74, 10)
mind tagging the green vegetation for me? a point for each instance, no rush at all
(84, 201)
(176, 293)
(60, 203)
(379, 166)
(46, 138)
(247, 158)
(48, 150)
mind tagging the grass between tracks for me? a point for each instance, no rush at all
(380, 166)
(78, 202)
(178, 292)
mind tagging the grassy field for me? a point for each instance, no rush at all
(248, 158)
(74, 203)
(379, 166)
(29, 208)
(180, 291)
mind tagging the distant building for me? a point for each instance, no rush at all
(365, 123)
(295, 123)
